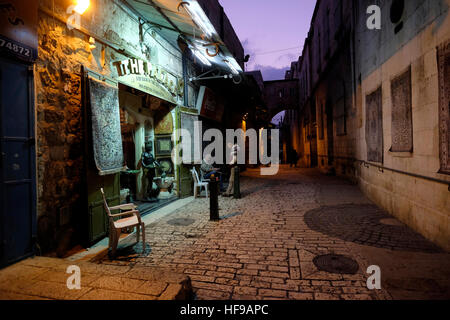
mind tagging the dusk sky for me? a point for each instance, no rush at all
(265, 26)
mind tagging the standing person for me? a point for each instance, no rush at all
(293, 158)
(233, 163)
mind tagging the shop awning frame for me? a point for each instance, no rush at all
(173, 20)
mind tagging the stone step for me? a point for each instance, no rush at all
(46, 278)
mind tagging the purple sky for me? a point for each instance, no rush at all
(264, 26)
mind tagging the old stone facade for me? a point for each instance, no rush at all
(60, 129)
(110, 31)
(373, 106)
(280, 95)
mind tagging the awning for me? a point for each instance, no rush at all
(173, 18)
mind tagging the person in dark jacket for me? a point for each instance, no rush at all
(293, 158)
(207, 170)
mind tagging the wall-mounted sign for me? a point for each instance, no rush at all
(18, 29)
(150, 78)
(210, 105)
(14, 48)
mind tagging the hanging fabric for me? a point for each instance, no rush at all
(106, 132)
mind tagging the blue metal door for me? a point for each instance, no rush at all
(17, 162)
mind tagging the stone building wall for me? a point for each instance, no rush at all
(326, 83)
(60, 140)
(402, 60)
(336, 116)
(280, 95)
(383, 56)
(305, 93)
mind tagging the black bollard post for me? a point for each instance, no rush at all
(213, 199)
(237, 186)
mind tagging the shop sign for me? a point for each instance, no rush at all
(18, 29)
(149, 78)
(210, 105)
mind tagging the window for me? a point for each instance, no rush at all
(341, 123)
(339, 13)
(396, 14)
(341, 112)
(321, 122)
(319, 58)
(327, 31)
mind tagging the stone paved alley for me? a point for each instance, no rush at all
(267, 245)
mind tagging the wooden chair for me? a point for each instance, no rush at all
(116, 226)
(199, 184)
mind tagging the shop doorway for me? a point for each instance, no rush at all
(147, 125)
(17, 162)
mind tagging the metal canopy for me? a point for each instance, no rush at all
(171, 23)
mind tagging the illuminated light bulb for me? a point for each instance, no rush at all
(232, 68)
(201, 57)
(82, 6)
(199, 17)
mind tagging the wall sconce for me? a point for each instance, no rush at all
(82, 6)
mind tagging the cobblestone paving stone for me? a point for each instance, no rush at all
(263, 249)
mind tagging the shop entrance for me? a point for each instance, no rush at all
(17, 162)
(147, 125)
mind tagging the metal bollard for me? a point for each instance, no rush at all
(237, 185)
(213, 198)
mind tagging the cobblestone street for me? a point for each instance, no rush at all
(268, 245)
(134, 136)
